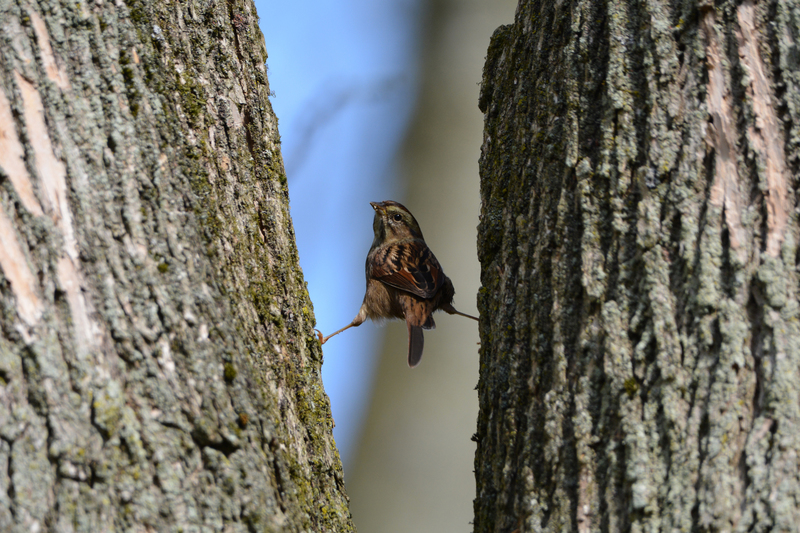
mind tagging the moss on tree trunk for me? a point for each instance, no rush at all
(640, 355)
(158, 366)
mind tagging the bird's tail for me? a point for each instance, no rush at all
(415, 344)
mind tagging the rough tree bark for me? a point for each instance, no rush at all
(158, 367)
(640, 351)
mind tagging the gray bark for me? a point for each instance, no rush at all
(640, 345)
(158, 366)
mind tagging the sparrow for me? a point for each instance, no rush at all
(404, 279)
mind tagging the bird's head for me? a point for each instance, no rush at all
(393, 222)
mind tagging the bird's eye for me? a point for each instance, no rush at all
(398, 217)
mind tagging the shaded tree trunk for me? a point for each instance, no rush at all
(640, 348)
(158, 366)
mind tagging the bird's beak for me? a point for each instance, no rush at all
(378, 207)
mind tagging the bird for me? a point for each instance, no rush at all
(404, 278)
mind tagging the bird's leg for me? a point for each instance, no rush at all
(357, 321)
(449, 309)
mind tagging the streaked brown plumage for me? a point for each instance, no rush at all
(404, 279)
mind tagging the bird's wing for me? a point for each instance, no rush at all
(409, 266)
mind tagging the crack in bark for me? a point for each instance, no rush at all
(15, 268)
(54, 71)
(52, 172)
(12, 158)
(53, 182)
(765, 133)
(725, 192)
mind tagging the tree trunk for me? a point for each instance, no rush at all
(640, 348)
(158, 366)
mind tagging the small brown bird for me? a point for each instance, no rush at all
(404, 279)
